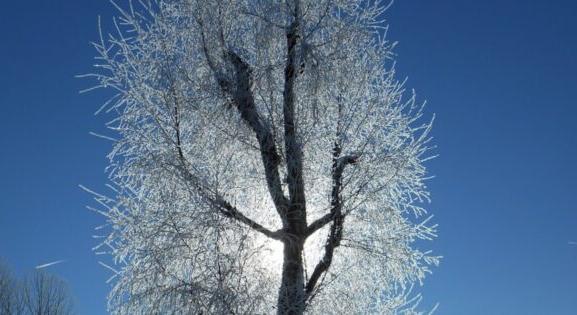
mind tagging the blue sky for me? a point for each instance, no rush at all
(500, 75)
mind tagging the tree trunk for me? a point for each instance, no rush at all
(291, 297)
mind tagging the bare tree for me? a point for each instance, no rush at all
(38, 294)
(261, 145)
(45, 294)
(10, 293)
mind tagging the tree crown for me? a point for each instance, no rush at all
(244, 124)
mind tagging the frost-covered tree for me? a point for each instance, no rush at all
(265, 159)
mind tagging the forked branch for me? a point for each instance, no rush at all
(336, 205)
(244, 101)
(238, 87)
(213, 198)
(335, 216)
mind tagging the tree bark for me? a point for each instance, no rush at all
(291, 297)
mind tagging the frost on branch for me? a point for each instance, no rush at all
(242, 126)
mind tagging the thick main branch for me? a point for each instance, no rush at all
(336, 205)
(293, 149)
(232, 212)
(244, 101)
(224, 207)
(335, 216)
(239, 88)
(212, 197)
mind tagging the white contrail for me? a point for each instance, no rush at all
(50, 264)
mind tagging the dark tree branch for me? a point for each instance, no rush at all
(227, 209)
(291, 297)
(338, 168)
(292, 146)
(214, 198)
(239, 88)
(230, 211)
(177, 128)
(335, 216)
(244, 101)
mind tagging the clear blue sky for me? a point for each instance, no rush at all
(501, 76)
